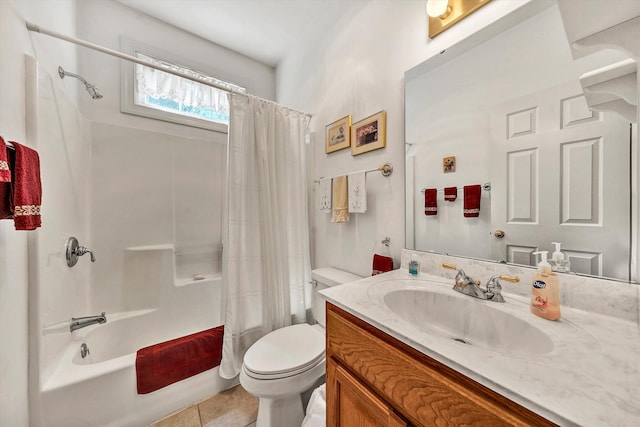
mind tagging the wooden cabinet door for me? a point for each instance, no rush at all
(352, 404)
(370, 372)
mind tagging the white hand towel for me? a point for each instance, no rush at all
(324, 192)
(358, 192)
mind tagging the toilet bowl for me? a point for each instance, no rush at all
(287, 362)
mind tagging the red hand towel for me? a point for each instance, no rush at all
(472, 200)
(27, 189)
(165, 363)
(5, 172)
(451, 194)
(431, 201)
(381, 264)
(6, 190)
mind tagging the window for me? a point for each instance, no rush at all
(160, 95)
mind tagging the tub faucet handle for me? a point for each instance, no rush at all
(74, 250)
(81, 250)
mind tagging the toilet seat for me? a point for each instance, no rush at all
(285, 352)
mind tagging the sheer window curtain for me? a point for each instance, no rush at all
(266, 263)
(163, 85)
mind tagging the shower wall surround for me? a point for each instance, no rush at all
(153, 189)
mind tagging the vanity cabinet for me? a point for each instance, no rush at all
(375, 380)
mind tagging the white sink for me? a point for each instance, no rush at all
(469, 321)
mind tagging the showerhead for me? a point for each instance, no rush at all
(93, 91)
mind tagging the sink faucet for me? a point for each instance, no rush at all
(83, 322)
(467, 286)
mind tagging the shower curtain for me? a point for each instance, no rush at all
(266, 263)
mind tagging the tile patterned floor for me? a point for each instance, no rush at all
(230, 408)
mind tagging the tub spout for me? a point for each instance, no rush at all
(83, 322)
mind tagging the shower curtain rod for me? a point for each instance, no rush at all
(36, 28)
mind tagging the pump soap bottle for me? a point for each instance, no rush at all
(558, 260)
(414, 265)
(545, 291)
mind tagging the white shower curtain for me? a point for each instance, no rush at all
(266, 240)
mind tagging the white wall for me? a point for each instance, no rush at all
(103, 22)
(358, 68)
(15, 42)
(133, 155)
(21, 253)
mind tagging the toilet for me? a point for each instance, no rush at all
(288, 362)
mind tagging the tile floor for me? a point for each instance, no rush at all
(230, 408)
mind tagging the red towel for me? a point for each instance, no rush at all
(27, 189)
(6, 190)
(451, 194)
(381, 264)
(5, 172)
(472, 200)
(162, 364)
(431, 201)
(22, 198)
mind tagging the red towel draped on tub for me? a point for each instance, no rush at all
(162, 364)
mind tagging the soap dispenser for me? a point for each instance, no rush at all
(414, 265)
(545, 291)
(558, 261)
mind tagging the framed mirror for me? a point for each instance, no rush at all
(512, 112)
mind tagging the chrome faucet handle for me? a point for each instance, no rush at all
(494, 289)
(461, 279)
(81, 250)
(74, 250)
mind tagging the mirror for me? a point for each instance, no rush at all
(512, 112)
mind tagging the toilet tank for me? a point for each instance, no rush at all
(323, 278)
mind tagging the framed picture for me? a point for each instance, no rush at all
(369, 134)
(339, 135)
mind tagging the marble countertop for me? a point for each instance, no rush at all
(591, 377)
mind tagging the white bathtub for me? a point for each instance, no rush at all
(100, 389)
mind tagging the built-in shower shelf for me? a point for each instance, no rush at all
(208, 279)
(613, 88)
(161, 247)
(185, 273)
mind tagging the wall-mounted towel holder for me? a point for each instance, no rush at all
(486, 187)
(386, 170)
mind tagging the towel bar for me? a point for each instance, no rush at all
(486, 187)
(386, 170)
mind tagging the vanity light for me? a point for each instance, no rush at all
(438, 8)
(443, 14)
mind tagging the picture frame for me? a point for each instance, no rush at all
(369, 134)
(338, 135)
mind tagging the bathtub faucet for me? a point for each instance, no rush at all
(83, 322)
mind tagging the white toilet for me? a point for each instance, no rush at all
(289, 361)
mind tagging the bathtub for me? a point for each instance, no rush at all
(100, 389)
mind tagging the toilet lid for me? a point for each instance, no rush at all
(286, 351)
